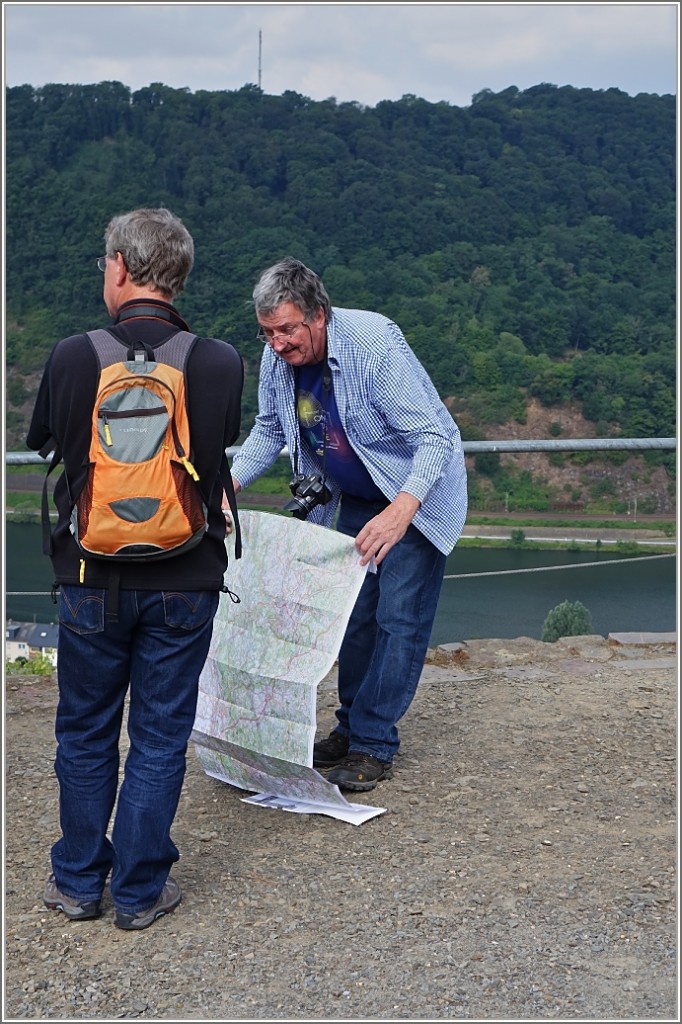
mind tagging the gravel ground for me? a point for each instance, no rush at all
(524, 869)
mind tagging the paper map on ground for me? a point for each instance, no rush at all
(257, 710)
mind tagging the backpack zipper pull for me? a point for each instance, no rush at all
(107, 431)
(189, 467)
(81, 574)
(181, 453)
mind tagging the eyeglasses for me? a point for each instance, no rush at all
(267, 336)
(102, 263)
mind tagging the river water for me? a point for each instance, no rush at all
(621, 595)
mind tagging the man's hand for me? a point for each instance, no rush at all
(380, 534)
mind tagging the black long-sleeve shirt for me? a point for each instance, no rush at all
(63, 413)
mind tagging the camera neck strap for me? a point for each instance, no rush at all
(327, 386)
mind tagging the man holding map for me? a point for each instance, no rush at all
(369, 437)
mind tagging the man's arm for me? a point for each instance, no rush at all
(39, 432)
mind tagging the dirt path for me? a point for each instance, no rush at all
(524, 868)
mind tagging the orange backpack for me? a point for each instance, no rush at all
(141, 498)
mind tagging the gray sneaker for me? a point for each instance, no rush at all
(171, 894)
(75, 910)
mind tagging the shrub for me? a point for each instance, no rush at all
(38, 665)
(15, 391)
(487, 463)
(627, 547)
(647, 505)
(567, 619)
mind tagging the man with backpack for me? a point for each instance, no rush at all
(137, 603)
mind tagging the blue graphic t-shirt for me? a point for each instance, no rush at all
(341, 462)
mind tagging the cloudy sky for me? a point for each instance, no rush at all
(353, 52)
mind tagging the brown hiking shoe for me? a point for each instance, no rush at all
(360, 771)
(171, 894)
(73, 908)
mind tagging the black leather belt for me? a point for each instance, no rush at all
(373, 503)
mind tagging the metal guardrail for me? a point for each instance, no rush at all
(470, 448)
(581, 444)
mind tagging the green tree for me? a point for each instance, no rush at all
(526, 244)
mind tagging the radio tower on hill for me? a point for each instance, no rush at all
(260, 47)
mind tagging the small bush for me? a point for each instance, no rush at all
(15, 391)
(567, 619)
(39, 665)
(627, 547)
(647, 506)
(487, 463)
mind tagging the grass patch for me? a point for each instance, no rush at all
(576, 524)
(620, 547)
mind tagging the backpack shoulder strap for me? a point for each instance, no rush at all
(176, 349)
(106, 347)
(228, 487)
(48, 546)
(107, 350)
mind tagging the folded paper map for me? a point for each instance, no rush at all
(257, 710)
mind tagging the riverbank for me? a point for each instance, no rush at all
(525, 867)
(648, 535)
(567, 536)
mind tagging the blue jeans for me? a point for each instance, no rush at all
(385, 643)
(156, 650)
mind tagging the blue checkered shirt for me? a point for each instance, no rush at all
(392, 415)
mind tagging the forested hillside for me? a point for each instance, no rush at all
(526, 244)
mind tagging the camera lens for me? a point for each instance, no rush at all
(299, 507)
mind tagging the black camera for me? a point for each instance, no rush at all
(308, 492)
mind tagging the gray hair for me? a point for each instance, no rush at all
(291, 281)
(156, 248)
